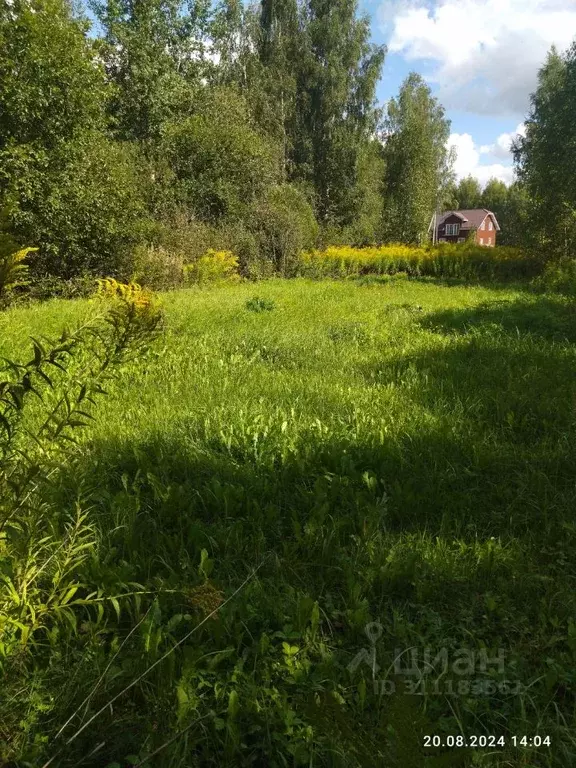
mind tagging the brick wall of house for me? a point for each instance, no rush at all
(486, 236)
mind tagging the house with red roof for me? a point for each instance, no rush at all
(458, 226)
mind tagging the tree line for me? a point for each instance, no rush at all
(159, 128)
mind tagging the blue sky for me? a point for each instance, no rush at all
(481, 59)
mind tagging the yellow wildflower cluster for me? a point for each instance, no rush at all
(130, 293)
(13, 270)
(213, 266)
(442, 260)
(347, 260)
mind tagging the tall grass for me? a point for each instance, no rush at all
(465, 261)
(43, 547)
(363, 467)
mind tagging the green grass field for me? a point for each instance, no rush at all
(380, 465)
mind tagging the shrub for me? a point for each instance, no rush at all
(50, 287)
(221, 162)
(212, 267)
(181, 235)
(84, 208)
(466, 261)
(158, 268)
(237, 237)
(13, 271)
(193, 238)
(558, 276)
(284, 225)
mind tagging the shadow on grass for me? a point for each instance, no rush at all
(446, 282)
(551, 318)
(504, 390)
(495, 457)
(444, 541)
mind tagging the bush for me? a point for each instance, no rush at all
(13, 271)
(84, 208)
(181, 235)
(558, 276)
(158, 268)
(51, 287)
(212, 267)
(284, 225)
(237, 237)
(221, 162)
(193, 238)
(276, 228)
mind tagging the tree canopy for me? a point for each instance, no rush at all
(171, 114)
(546, 156)
(418, 163)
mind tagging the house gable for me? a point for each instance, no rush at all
(495, 224)
(451, 225)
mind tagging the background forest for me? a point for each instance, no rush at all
(133, 141)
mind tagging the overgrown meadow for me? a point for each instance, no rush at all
(294, 473)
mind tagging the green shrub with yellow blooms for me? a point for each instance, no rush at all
(465, 261)
(13, 270)
(135, 300)
(213, 267)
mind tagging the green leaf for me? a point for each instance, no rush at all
(233, 704)
(69, 595)
(206, 565)
(116, 605)
(315, 617)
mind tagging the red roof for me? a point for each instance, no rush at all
(472, 218)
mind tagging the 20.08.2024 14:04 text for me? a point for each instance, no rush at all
(480, 741)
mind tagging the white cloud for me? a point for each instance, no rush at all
(502, 147)
(468, 161)
(486, 52)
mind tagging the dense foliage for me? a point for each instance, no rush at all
(469, 261)
(546, 156)
(170, 128)
(467, 194)
(417, 162)
(188, 574)
(254, 123)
